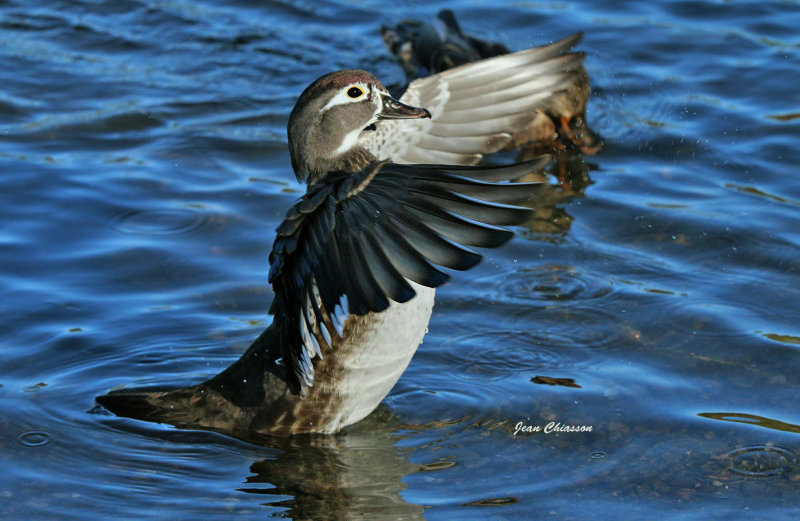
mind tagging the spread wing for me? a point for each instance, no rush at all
(351, 242)
(477, 106)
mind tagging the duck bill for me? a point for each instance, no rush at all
(393, 109)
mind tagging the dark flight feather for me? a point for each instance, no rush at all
(350, 244)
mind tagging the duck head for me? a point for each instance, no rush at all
(330, 118)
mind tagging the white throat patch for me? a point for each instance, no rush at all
(350, 140)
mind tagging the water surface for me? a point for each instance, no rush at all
(654, 297)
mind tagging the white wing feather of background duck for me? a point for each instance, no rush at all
(477, 106)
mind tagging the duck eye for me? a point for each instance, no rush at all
(355, 92)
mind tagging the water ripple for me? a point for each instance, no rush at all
(160, 221)
(511, 353)
(760, 461)
(583, 327)
(550, 282)
(33, 439)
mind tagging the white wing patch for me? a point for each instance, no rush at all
(311, 332)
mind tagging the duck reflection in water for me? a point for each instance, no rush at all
(339, 477)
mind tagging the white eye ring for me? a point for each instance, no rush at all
(354, 92)
(343, 97)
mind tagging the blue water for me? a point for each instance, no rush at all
(143, 169)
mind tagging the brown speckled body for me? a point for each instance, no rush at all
(358, 371)
(351, 379)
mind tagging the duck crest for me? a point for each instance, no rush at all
(342, 78)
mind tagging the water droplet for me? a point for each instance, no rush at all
(33, 439)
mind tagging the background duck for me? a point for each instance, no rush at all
(429, 48)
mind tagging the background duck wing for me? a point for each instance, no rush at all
(427, 48)
(352, 242)
(477, 106)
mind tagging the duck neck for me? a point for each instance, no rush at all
(354, 160)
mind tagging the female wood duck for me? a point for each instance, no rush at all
(429, 48)
(356, 260)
